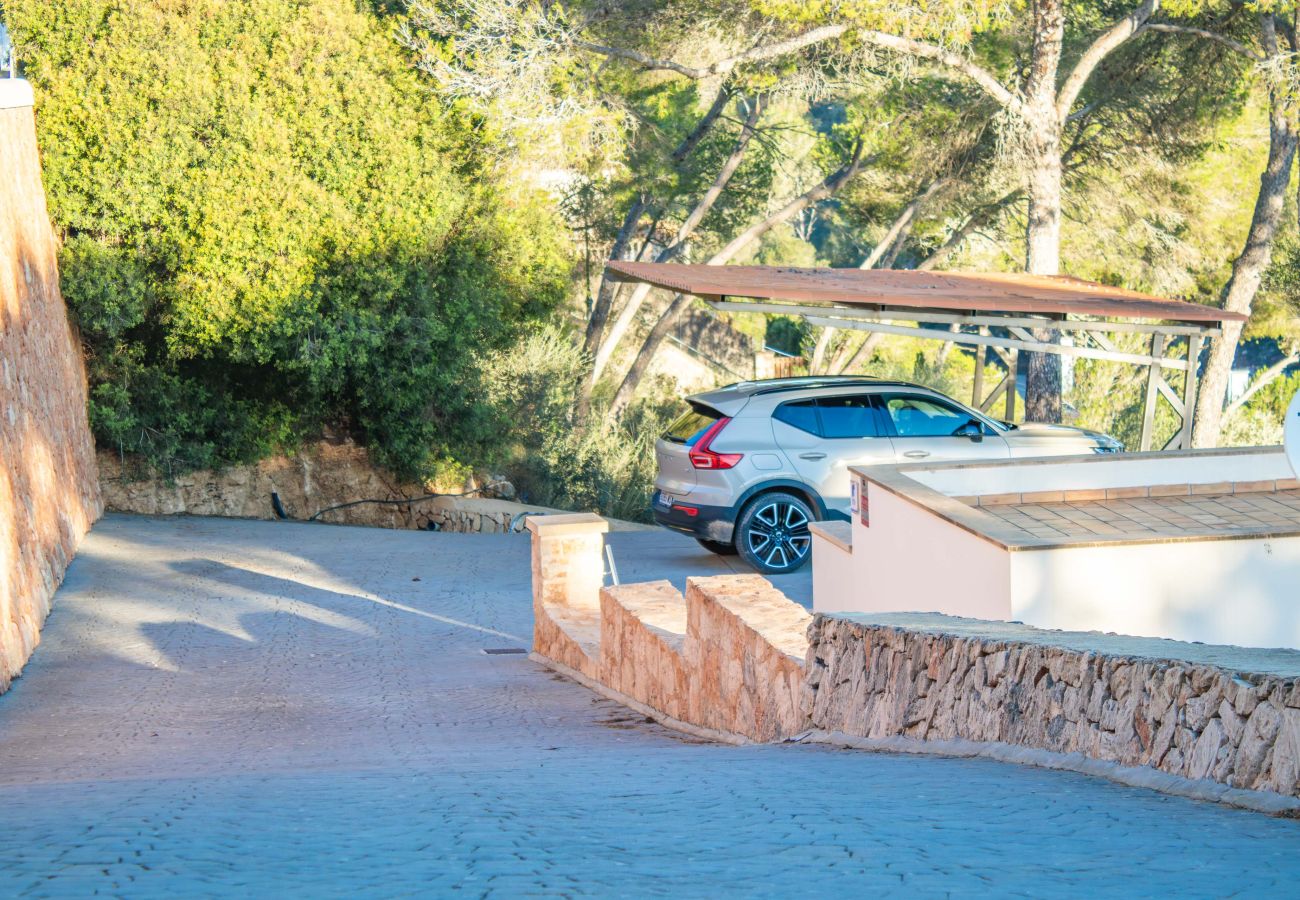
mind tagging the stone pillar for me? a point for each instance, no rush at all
(568, 572)
(568, 560)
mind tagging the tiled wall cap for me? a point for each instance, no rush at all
(838, 534)
(569, 523)
(15, 93)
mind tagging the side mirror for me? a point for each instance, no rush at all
(972, 429)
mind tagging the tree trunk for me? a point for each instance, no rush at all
(645, 356)
(1248, 268)
(827, 188)
(862, 354)
(608, 288)
(1043, 232)
(884, 254)
(684, 233)
(820, 350)
(605, 293)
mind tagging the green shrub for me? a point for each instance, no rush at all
(599, 466)
(272, 228)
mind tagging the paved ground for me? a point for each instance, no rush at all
(254, 708)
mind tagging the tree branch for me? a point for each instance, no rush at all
(1208, 35)
(903, 223)
(947, 58)
(684, 234)
(721, 66)
(1267, 377)
(1106, 43)
(702, 127)
(973, 222)
(728, 169)
(821, 191)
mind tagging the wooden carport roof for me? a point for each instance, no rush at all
(888, 301)
(1036, 295)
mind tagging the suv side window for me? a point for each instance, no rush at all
(914, 415)
(848, 417)
(801, 414)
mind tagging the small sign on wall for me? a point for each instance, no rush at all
(864, 506)
(853, 495)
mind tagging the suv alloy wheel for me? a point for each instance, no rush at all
(772, 534)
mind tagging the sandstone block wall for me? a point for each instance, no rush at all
(726, 659)
(568, 570)
(642, 639)
(1193, 721)
(745, 648)
(49, 489)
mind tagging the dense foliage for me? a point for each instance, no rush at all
(271, 228)
(550, 457)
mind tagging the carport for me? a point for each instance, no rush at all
(1042, 314)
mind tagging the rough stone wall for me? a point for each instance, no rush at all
(745, 648)
(1191, 721)
(736, 660)
(642, 636)
(49, 490)
(320, 475)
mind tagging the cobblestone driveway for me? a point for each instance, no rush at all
(255, 708)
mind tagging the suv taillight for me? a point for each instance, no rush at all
(704, 458)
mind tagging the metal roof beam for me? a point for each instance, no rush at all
(962, 337)
(896, 314)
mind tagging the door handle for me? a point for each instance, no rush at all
(917, 454)
(813, 455)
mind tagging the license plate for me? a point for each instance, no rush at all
(664, 501)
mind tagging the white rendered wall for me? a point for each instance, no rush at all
(1119, 471)
(832, 567)
(1244, 592)
(910, 560)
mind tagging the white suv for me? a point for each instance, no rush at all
(752, 464)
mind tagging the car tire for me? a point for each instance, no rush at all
(718, 547)
(772, 534)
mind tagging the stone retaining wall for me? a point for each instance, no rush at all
(745, 649)
(726, 659)
(736, 660)
(320, 474)
(49, 491)
(1193, 721)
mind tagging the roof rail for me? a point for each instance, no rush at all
(800, 379)
(782, 385)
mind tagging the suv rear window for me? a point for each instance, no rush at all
(688, 428)
(801, 414)
(832, 417)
